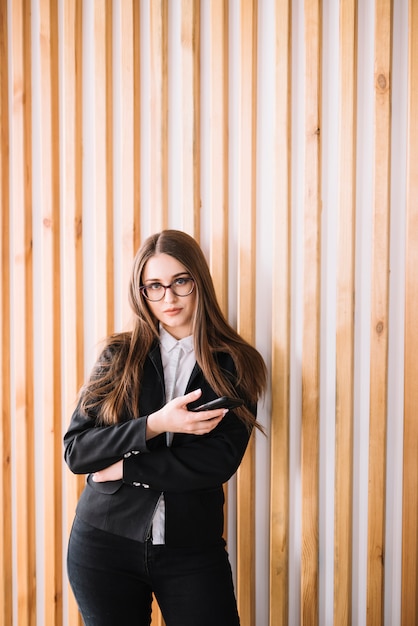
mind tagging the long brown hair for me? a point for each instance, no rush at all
(113, 388)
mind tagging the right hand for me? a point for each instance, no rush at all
(175, 418)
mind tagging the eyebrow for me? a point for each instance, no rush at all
(158, 280)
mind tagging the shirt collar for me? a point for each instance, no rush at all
(168, 342)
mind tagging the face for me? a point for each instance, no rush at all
(175, 313)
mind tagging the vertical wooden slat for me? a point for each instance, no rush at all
(246, 297)
(107, 130)
(345, 319)
(49, 292)
(159, 114)
(127, 96)
(72, 257)
(218, 162)
(410, 474)
(5, 321)
(190, 88)
(22, 299)
(218, 176)
(311, 299)
(379, 313)
(136, 125)
(103, 190)
(279, 467)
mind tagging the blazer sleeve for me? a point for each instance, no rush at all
(90, 448)
(192, 462)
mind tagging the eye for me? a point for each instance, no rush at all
(183, 280)
(154, 286)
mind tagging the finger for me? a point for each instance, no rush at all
(212, 414)
(186, 399)
(209, 423)
(193, 395)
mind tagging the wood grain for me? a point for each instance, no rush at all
(310, 339)
(379, 315)
(410, 481)
(345, 319)
(280, 366)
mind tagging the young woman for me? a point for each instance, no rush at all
(150, 519)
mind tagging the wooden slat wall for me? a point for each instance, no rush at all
(267, 131)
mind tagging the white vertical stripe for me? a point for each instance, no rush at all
(63, 236)
(205, 126)
(233, 166)
(364, 202)
(175, 118)
(265, 188)
(145, 122)
(395, 423)
(296, 285)
(233, 124)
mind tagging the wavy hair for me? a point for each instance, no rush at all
(113, 390)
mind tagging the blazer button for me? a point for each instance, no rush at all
(136, 484)
(126, 455)
(145, 486)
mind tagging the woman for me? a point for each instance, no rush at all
(150, 519)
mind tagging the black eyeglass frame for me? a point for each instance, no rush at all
(143, 289)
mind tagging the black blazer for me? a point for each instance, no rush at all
(190, 473)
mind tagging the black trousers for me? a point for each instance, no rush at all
(113, 579)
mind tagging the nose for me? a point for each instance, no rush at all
(169, 296)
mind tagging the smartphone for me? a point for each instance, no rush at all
(220, 403)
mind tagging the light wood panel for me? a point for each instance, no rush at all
(218, 149)
(6, 582)
(345, 319)
(102, 150)
(379, 314)
(410, 475)
(311, 300)
(190, 118)
(159, 114)
(128, 95)
(47, 298)
(246, 296)
(279, 505)
(137, 124)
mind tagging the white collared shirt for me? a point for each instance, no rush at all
(178, 359)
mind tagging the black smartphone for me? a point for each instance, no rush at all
(220, 403)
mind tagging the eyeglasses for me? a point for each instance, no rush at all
(182, 286)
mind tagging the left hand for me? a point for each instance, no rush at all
(113, 472)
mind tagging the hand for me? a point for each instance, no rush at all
(113, 472)
(175, 418)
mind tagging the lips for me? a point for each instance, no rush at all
(173, 311)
